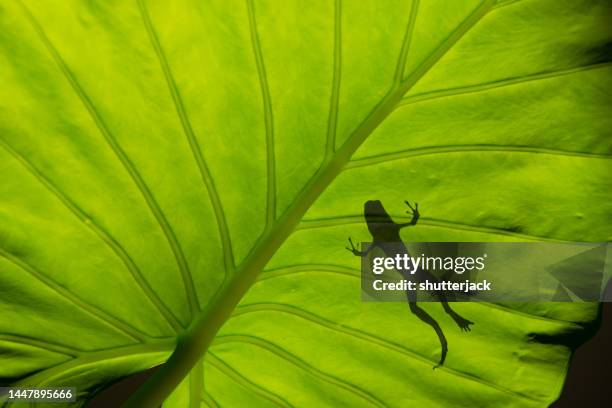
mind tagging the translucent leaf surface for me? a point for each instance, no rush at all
(154, 154)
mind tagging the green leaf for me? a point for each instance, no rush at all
(156, 157)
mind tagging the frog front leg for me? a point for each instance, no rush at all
(357, 252)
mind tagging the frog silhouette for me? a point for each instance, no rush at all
(384, 230)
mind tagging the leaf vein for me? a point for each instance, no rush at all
(295, 360)
(232, 373)
(268, 118)
(103, 235)
(368, 338)
(209, 400)
(503, 3)
(401, 61)
(44, 345)
(330, 146)
(72, 298)
(464, 90)
(272, 273)
(354, 273)
(109, 138)
(86, 358)
(426, 151)
(358, 219)
(205, 174)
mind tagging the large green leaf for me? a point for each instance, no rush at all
(154, 157)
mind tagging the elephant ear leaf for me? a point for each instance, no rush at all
(169, 168)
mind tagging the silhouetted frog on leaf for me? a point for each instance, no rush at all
(384, 230)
